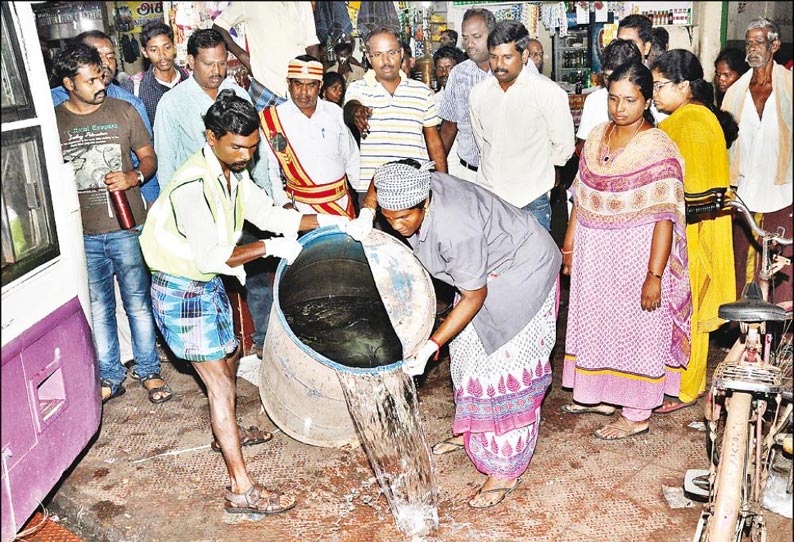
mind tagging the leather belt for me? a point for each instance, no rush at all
(467, 165)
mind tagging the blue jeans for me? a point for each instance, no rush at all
(119, 253)
(259, 290)
(540, 208)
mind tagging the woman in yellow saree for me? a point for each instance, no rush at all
(702, 134)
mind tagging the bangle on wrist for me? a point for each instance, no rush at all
(139, 175)
(566, 252)
(651, 273)
(438, 348)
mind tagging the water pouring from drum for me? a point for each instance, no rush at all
(343, 315)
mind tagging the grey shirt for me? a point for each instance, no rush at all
(454, 107)
(470, 238)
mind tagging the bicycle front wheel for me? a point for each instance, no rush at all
(731, 475)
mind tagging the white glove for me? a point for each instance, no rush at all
(282, 247)
(360, 227)
(416, 365)
(333, 220)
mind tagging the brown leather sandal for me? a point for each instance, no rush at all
(258, 500)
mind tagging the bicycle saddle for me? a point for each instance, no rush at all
(752, 308)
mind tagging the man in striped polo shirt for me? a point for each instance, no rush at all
(396, 116)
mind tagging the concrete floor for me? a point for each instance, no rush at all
(150, 476)
(577, 488)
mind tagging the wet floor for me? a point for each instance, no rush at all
(150, 476)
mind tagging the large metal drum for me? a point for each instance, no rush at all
(298, 386)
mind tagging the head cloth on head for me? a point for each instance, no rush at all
(301, 69)
(401, 186)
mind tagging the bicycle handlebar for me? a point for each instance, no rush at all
(720, 191)
(717, 199)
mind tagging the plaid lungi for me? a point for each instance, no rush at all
(194, 317)
(262, 96)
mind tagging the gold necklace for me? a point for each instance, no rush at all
(608, 155)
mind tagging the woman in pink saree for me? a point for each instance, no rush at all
(630, 305)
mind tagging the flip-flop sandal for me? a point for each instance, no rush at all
(454, 446)
(116, 390)
(505, 490)
(160, 394)
(573, 408)
(248, 437)
(623, 432)
(253, 502)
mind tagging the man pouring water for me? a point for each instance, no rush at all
(189, 241)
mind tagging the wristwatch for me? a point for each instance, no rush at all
(139, 174)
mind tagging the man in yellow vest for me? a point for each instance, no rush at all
(188, 240)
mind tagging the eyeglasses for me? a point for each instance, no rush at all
(657, 86)
(392, 53)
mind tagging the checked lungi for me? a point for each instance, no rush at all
(194, 317)
(262, 96)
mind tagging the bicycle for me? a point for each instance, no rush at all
(749, 407)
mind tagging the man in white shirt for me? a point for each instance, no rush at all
(761, 158)
(276, 32)
(310, 145)
(522, 125)
(456, 133)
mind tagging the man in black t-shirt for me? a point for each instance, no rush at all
(97, 134)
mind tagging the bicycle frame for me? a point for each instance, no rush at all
(747, 381)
